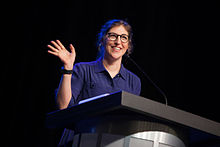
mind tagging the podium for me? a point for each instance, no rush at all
(125, 120)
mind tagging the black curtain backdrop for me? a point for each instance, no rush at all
(175, 43)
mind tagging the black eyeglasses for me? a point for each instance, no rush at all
(113, 36)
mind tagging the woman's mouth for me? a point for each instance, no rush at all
(116, 48)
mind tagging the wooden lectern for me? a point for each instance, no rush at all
(126, 120)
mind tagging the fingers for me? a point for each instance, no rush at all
(57, 47)
(52, 48)
(53, 53)
(72, 48)
(56, 44)
(60, 44)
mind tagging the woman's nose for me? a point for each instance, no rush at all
(118, 40)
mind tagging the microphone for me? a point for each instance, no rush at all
(148, 78)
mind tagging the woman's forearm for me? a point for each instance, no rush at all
(64, 93)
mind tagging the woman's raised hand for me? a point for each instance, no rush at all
(68, 58)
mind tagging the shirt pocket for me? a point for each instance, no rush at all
(96, 88)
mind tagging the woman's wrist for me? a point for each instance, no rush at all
(66, 71)
(68, 67)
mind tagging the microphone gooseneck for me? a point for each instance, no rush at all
(148, 78)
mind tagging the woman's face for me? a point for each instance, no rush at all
(116, 46)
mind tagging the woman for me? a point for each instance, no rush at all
(105, 75)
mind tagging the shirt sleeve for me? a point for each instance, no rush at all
(137, 86)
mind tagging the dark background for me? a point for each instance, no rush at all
(175, 43)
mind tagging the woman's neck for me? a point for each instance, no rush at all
(112, 66)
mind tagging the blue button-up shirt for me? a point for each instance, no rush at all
(91, 79)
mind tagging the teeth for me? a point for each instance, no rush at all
(117, 48)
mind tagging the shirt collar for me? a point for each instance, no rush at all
(99, 67)
(122, 71)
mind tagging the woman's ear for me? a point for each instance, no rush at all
(99, 46)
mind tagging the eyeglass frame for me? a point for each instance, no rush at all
(117, 37)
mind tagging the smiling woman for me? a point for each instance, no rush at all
(106, 30)
(114, 47)
(105, 75)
